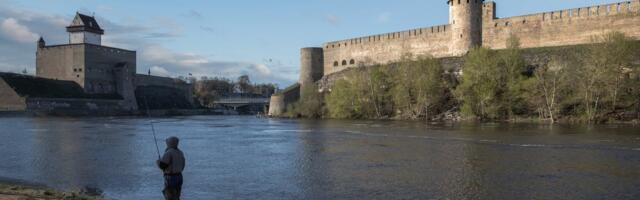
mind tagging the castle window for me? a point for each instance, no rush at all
(80, 70)
(344, 62)
(335, 64)
(352, 61)
(75, 70)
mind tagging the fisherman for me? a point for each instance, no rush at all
(172, 163)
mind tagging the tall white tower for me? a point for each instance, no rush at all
(85, 29)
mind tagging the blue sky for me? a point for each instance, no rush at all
(260, 38)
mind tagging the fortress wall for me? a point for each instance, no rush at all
(151, 81)
(58, 62)
(386, 48)
(279, 102)
(10, 100)
(100, 68)
(75, 107)
(563, 27)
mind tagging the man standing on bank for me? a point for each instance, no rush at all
(172, 163)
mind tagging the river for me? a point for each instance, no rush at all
(243, 157)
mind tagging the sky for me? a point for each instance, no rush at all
(226, 38)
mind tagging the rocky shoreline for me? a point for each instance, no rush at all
(16, 190)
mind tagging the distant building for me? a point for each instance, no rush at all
(98, 71)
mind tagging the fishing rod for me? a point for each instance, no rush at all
(153, 128)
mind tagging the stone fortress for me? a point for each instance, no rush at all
(472, 23)
(85, 75)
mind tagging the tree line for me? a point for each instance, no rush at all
(589, 83)
(207, 90)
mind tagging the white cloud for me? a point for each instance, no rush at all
(145, 38)
(160, 71)
(18, 32)
(263, 69)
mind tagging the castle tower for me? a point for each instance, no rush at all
(311, 66)
(41, 43)
(85, 29)
(465, 18)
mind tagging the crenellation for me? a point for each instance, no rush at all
(428, 31)
(475, 24)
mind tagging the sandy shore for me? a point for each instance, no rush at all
(16, 190)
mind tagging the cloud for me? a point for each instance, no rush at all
(148, 39)
(159, 71)
(198, 65)
(333, 19)
(18, 32)
(263, 69)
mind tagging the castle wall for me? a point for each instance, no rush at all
(61, 62)
(563, 27)
(10, 100)
(75, 107)
(548, 29)
(386, 48)
(280, 101)
(100, 68)
(146, 81)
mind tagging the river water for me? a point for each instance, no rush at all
(252, 158)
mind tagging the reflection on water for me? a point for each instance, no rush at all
(249, 158)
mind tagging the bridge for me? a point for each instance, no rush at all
(239, 102)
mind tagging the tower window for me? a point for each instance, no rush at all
(352, 62)
(335, 64)
(344, 62)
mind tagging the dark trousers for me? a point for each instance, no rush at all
(172, 187)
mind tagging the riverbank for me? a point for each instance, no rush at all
(13, 190)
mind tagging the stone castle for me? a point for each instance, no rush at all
(472, 23)
(86, 75)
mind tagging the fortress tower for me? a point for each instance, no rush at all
(311, 65)
(99, 70)
(465, 18)
(85, 29)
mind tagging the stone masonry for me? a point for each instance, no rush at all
(472, 23)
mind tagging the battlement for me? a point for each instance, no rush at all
(604, 10)
(563, 27)
(385, 37)
(99, 47)
(473, 23)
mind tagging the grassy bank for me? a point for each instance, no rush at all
(16, 191)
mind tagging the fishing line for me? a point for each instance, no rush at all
(153, 128)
